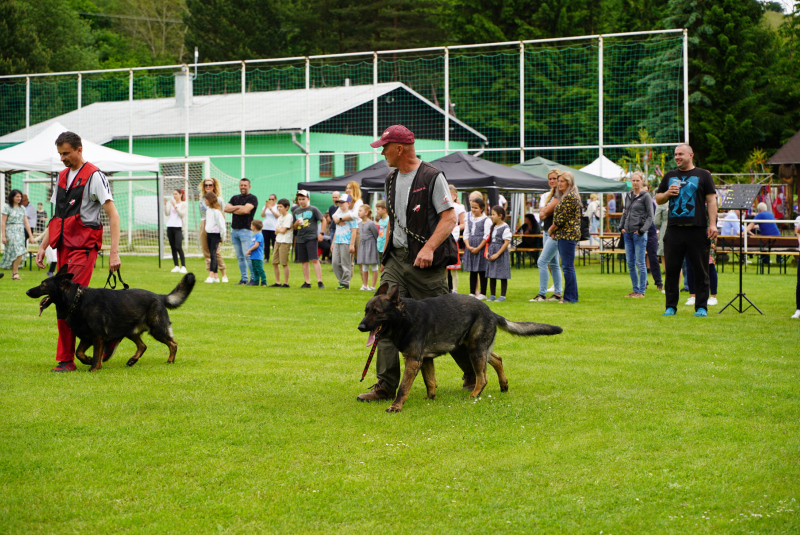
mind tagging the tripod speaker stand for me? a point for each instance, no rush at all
(741, 198)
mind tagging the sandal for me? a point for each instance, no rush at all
(16, 277)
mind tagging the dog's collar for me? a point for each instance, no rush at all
(78, 295)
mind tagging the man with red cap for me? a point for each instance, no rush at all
(419, 242)
(76, 231)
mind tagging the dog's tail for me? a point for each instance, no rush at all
(526, 328)
(181, 292)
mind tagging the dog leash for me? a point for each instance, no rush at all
(371, 354)
(112, 276)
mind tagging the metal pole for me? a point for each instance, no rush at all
(27, 114)
(244, 81)
(686, 86)
(159, 211)
(600, 100)
(521, 102)
(186, 107)
(130, 151)
(80, 101)
(308, 120)
(446, 101)
(374, 103)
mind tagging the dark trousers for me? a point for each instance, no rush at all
(692, 243)
(473, 282)
(213, 243)
(712, 279)
(269, 240)
(797, 289)
(652, 250)
(175, 237)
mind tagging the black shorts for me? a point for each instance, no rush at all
(307, 251)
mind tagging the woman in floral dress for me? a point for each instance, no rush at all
(13, 228)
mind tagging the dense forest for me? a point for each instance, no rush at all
(744, 54)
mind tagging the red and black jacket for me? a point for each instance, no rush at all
(76, 224)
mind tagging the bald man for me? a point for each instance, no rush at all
(690, 192)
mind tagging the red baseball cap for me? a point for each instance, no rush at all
(394, 134)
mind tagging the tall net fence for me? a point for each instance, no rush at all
(284, 121)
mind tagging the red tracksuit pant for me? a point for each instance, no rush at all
(80, 262)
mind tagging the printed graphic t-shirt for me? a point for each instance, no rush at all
(344, 233)
(311, 217)
(689, 206)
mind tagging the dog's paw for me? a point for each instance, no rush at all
(504, 388)
(394, 409)
(132, 361)
(430, 396)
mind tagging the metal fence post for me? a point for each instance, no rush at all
(308, 120)
(521, 102)
(130, 151)
(374, 103)
(600, 100)
(686, 86)
(80, 101)
(244, 81)
(446, 101)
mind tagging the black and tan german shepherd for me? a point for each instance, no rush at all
(100, 317)
(422, 330)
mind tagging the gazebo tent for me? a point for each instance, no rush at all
(467, 172)
(587, 183)
(376, 171)
(39, 154)
(788, 160)
(605, 168)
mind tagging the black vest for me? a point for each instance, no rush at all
(419, 229)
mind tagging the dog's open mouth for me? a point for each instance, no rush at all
(373, 336)
(44, 303)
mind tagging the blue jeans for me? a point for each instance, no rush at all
(566, 250)
(635, 248)
(594, 226)
(549, 257)
(241, 243)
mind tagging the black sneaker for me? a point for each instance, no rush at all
(306, 285)
(343, 287)
(320, 285)
(265, 284)
(64, 367)
(276, 285)
(284, 285)
(241, 282)
(252, 283)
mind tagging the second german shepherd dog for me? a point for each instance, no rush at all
(450, 323)
(101, 317)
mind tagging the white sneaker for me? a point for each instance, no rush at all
(480, 297)
(183, 270)
(175, 269)
(216, 280)
(364, 288)
(371, 289)
(796, 315)
(209, 280)
(712, 301)
(551, 289)
(690, 301)
(224, 279)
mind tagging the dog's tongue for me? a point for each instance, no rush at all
(371, 339)
(44, 303)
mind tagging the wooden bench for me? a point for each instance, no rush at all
(608, 259)
(763, 247)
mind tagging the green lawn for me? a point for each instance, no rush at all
(628, 422)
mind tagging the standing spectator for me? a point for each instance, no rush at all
(30, 211)
(210, 185)
(549, 258)
(368, 248)
(13, 228)
(270, 215)
(687, 189)
(307, 221)
(242, 207)
(477, 227)
(335, 206)
(652, 249)
(796, 314)
(660, 221)
(530, 226)
(41, 218)
(354, 190)
(595, 210)
(499, 261)
(325, 246)
(383, 225)
(256, 253)
(637, 217)
(566, 229)
(283, 242)
(612, 203)
(176, 211)
(712, 277)
(76, 232)
(452, 271)
(344, 242)
(215, 232)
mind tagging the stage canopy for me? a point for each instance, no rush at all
(603, 167)
(39, 154)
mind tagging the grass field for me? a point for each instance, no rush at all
(628, 422)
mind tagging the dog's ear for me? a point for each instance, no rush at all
(394, 295)
(383, 289)
(62, 273)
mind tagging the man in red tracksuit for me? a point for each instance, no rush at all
(76, 231)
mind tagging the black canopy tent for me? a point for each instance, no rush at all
(376, 171)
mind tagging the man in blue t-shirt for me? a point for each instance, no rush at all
(689, 191)
(766, 229)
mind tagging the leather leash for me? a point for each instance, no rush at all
(371, 354)
(112, 276)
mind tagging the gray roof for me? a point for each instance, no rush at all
(264, 111)
(789, 153)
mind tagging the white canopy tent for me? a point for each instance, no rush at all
(605, 168)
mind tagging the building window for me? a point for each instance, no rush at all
(326, 163)
(350, 163)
